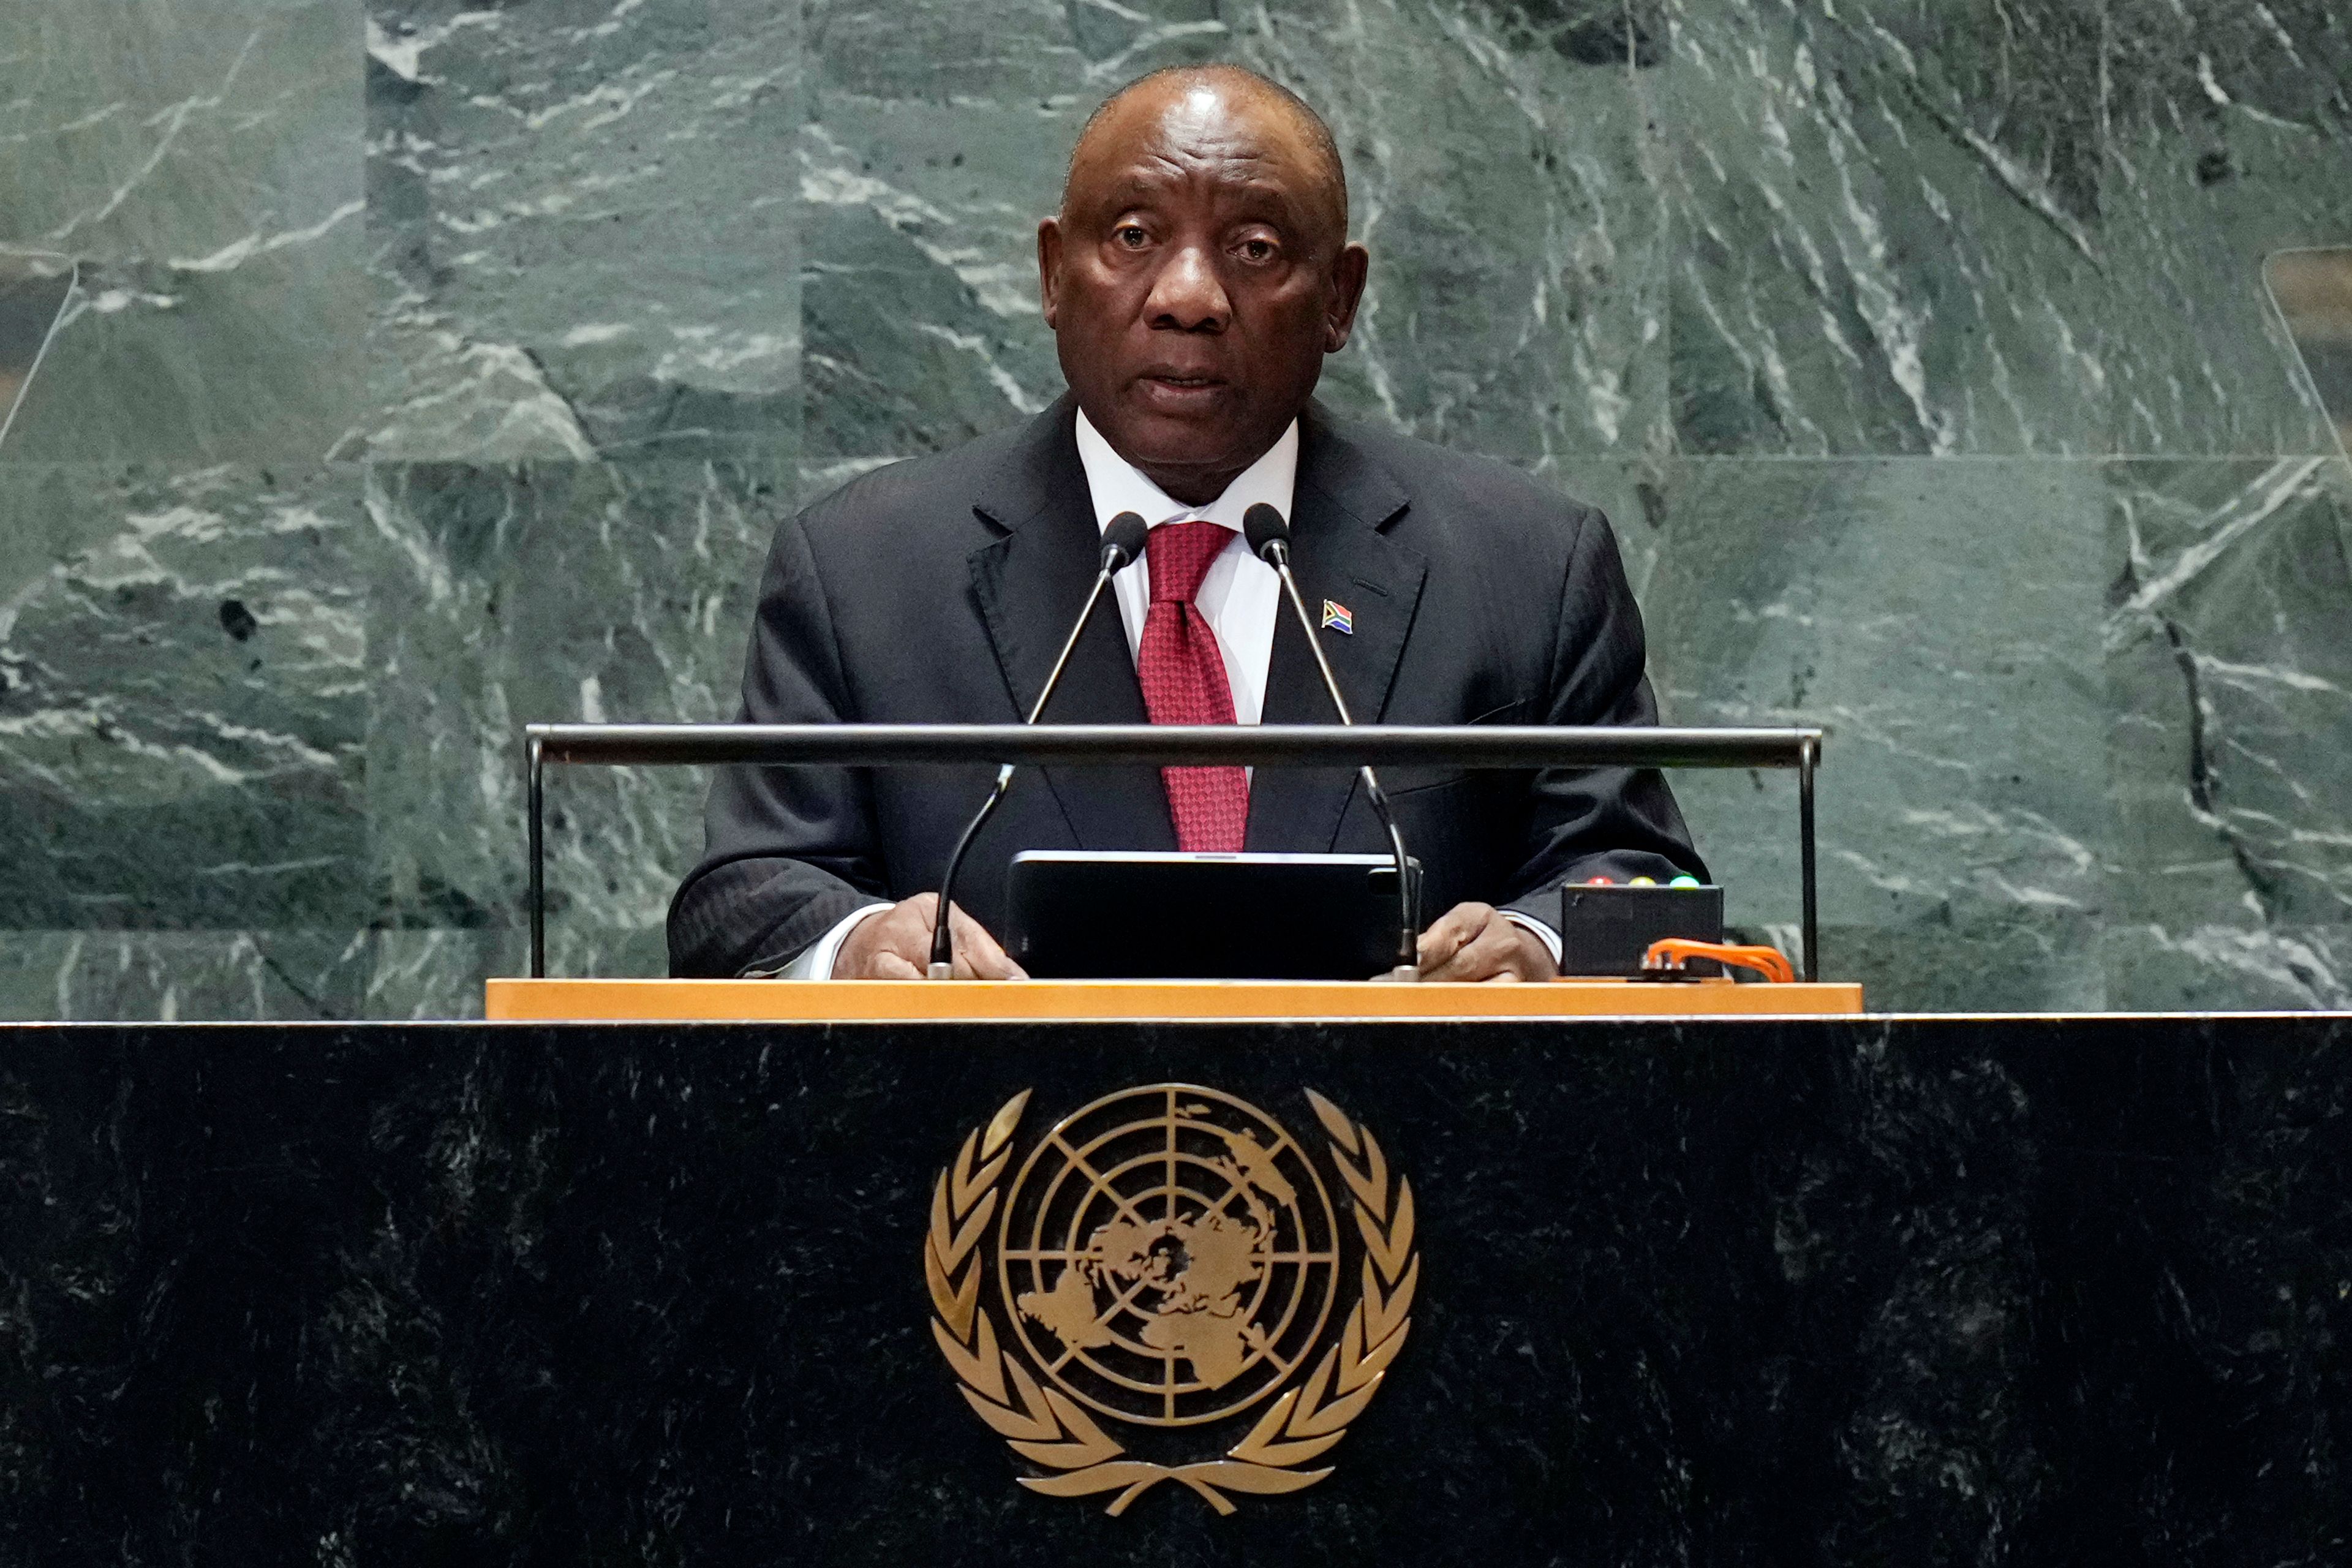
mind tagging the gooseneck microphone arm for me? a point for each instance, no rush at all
(1269, 537)
(1123, 542)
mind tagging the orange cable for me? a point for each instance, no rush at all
(1675, 951)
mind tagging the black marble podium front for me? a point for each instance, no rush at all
(1967, 1291)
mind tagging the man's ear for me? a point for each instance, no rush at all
(1049, 267)
(1349, 269)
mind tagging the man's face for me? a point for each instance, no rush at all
(1197, 276)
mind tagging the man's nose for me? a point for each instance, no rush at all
(1187, 297)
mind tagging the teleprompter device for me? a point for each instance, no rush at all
(1161, 915)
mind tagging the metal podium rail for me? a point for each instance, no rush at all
(1087, 745)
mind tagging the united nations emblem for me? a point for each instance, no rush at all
(1169, 1256)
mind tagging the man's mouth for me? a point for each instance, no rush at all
(1175, 389)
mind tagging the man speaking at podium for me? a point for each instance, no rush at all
(1195, 277)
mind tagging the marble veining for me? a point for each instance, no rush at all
(1998, 229)
(183, 697)
(1790, 592)
(2312, 290)
(1944, 365)
(634, 164)
(202, 161)
(2229, 672)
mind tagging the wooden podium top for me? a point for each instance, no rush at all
(880, 1001)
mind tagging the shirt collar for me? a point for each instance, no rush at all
(1116, 486)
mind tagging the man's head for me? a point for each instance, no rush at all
(1200, 270)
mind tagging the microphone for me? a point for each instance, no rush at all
(1269, 540)
(1123, 542)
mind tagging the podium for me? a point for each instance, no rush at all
(1600, 1289)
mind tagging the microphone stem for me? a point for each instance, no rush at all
(942, 940)
(942, 965)
(1408, 893)
(1306, 625)
(1407, 896)
(1053, 678)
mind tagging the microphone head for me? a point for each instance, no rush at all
(1124, 538)
(1263, 526)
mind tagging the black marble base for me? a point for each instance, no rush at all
(1967, 1291)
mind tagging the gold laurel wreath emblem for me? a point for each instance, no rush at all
(1047, 1427)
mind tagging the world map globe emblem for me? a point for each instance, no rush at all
(1169, 1254)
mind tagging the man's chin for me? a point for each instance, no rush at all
(1156, 437)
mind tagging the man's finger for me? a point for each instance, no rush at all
(1433, 967)
(1493, 950)
(1465, 962)
(979, 955)
(1444, 937)
(889, 965)
(919, 913)
(903, 931)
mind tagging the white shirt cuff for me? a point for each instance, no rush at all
(815, 962)
(1544, 933)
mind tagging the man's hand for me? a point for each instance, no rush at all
(1478, 942)
(896, 946)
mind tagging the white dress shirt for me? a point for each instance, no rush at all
(1241, 598)
(1240, 595)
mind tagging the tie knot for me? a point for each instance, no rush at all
(1180, 555)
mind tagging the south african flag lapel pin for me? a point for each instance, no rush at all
(1338, 617)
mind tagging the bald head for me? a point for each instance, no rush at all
(1197, 92)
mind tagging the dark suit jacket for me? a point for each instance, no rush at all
(939, 591)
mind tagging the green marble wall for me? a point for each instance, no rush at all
(438, 369)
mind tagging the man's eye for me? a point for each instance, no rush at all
(1132, 237)
(1257, 249)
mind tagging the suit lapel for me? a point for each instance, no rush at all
(1029, 586)
(1343, 502)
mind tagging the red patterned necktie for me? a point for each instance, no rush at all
(1184, 682)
